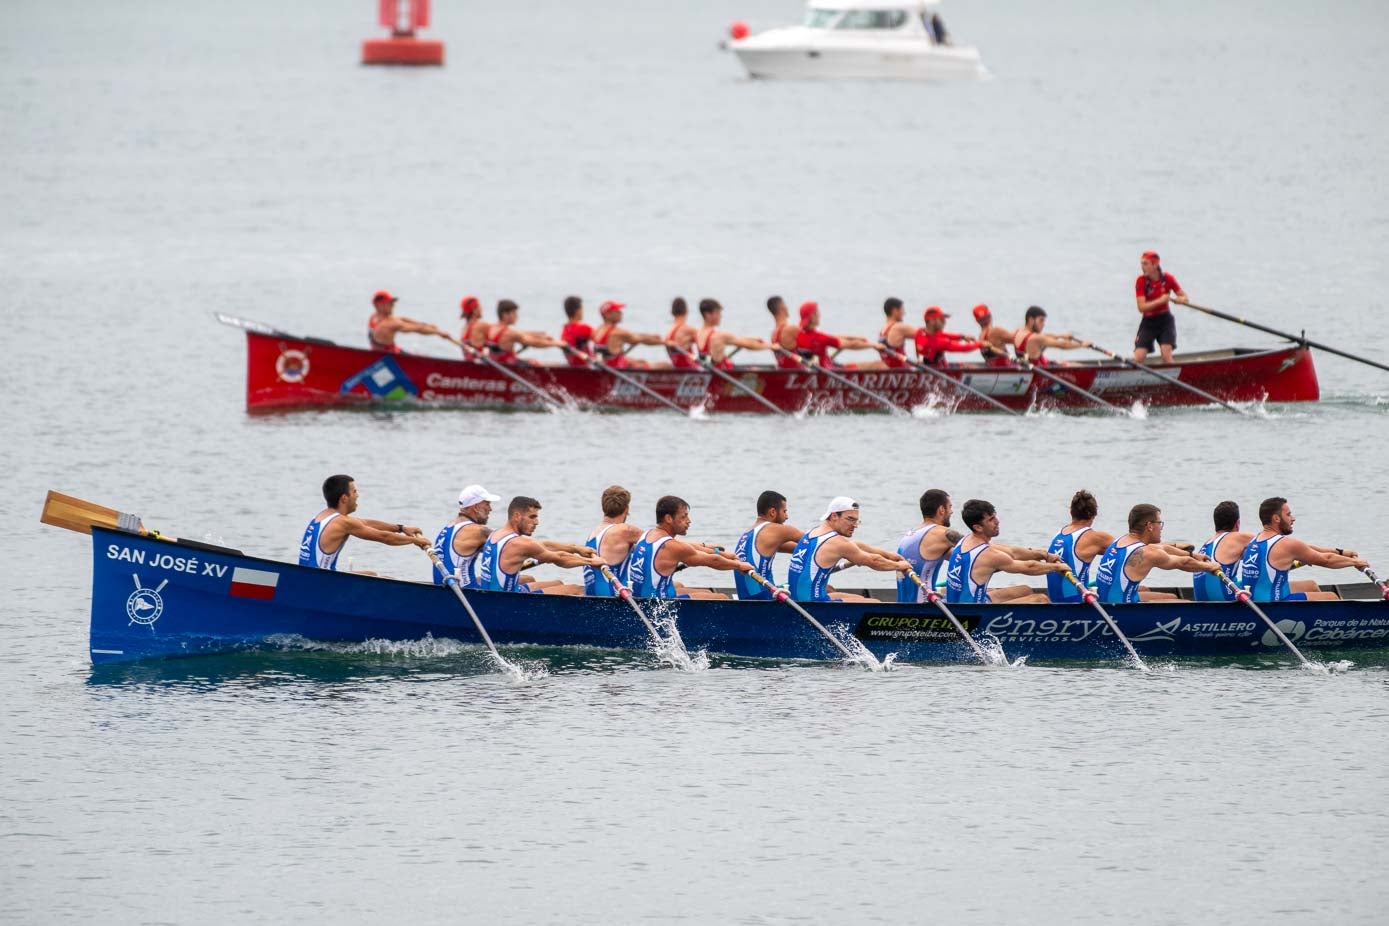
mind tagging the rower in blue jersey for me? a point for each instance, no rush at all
(325, 535)
(1227, 548)
(759, 545)
(1077, 544)
(926, 546)
(1125, 563)
(508, 548)
(974, 560)
(1273, 551)
(458, 543)
(821, 549)
(614, 539)
(660, 551)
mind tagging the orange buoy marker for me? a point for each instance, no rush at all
(403, 17)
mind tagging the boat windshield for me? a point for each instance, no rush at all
(872, 19)
(821, 19)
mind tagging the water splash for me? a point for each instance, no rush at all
(670, 649)
(860, 655)
(992, 648)
(427, 647)
(1336, 667)
(1139, 411)
(699, 413)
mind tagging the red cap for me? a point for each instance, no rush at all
(1152, 256)
(981, 312)
(469, 304)
(935, 311)
(808, 309)
(611, 306)
(382, 296)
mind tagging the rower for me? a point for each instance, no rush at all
(821, 548)
(1077, 544)
(713, 344)
(1227, 548)
(507, 549)
(926, 546)
(994, 340)
(759, 545)
(1272, 552)
(813, 345)
(784, 334)
(975, 559)
(613, 540)
(503, 340)
(660, 552)
(892, 338)
(680, 338)
(1126, 562)
(1029, 341)
(458, 542)
(611, 343)
(324, 537)
(474, 333)
(384, 324)
(576, 334)
(932, 340)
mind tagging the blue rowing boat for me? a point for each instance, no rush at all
(155, 597)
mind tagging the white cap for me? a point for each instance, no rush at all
(471, 495)
(837, 504)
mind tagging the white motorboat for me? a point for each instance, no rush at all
(873, 39)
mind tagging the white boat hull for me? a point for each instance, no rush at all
(902, 61)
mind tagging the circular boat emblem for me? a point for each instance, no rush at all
(292, 366)
(1292, 629)
(144, 606)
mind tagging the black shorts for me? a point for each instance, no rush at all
(1161, 328)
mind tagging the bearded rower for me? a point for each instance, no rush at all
(1272, 552)
(713, 344)
(503, 340)
(784, 334)
(660, 552)
(326, 534)
(813, 345)
(994, 340)
(680, 339)
(1077, 544)
(610, 342)
(458, 543)
(384, 324)
(1126, 562)
(820, 550)
(759, 545)
(892, 338)
(926, 546)
(975, 559)
(933, 341)
(508, 548)
(613, 539)
(1030, 341)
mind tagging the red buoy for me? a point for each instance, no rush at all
(739, 29)
(403, 17)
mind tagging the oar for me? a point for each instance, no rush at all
(246, 324)
(625, 594)
(843, 380)
(452, 582)
(1283, 334)
(1383, 586)
(593, 364)
(75, 514)
(1093, 600)
(471, 351)
(1244, 596)
(1034, 368)
(781, 595)
(927, 368)
(729, 379)
(935, 599)
(1130, 362)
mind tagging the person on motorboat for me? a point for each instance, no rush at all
(1077, 544)
(459, 542)
(820, 549)
(1154, 290)
(933, 341)
(813, 345)
(613, 539)
(995, 341)
(713, 343)
(974, 560)
(660, 552)
(508, 548)
(784, 334)
(611, 343)
(926, 546)
(1126, 562)
(503, 340)
(1271, 554)
(769, 535)
(892, 337)
(384, 324)
(1030, 340)
(327, 533)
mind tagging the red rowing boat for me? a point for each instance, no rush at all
(287, 372)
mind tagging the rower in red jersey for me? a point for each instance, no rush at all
(784, 334)
(713, 344)
(384, 324)
(812, 344)
(576, 333)
(610, 343)
(892, 339)
(680, 339)
(1029, 341)
(933, 341)
(994, 340)
(474, 332)
(503, 340)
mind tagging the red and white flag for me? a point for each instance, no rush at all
(254, 583)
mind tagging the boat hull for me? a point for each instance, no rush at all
(155, 599)
(285, 372)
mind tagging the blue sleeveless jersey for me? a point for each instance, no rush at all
(806, 579)
(1112, 584)
(462, 568)
(646, 581)
(1206, 587)
(311, 554)
(746, 550)
(490, 575)
(910, 550)
(960, 586)
(1059, 589)
(1265, 582)
(595, 584)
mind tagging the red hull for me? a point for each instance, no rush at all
(285, 372)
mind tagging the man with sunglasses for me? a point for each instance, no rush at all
(821, 549)
(1126, 562)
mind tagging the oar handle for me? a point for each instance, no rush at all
(1383, 586)
(779, 593)
(932, 596)
(622, 591)
(1086, 594)
(1241, 593)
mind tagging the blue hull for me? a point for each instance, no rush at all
(153, 599)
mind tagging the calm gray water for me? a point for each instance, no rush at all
(166, 160)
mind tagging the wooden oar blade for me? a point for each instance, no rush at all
(75, 514)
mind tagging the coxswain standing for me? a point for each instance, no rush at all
(713, 344)
(458, 543)
(1272, 552)
(994, 340)
(813, 345)
(1227, 548)
(680, 339)
(508, 548)
(892, 338)
(503, 340)
(660, 552)
(1077, 544)
(324, 537)
(926, 546)
(820, 550)
(933, 341)
(1126, 562)
(610, 343)
(613, 540)
(1154, 289)
(975, 559)
(384, 324)
(1030, 340)
(759, 545)
(577, 334)
(784, 334)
